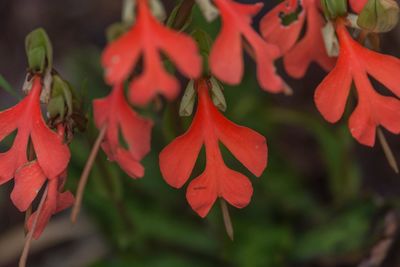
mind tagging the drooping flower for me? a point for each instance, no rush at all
(51, 153)
(114, 113)
(357, 5)
(355, 64)
(226, 59)
(209, 127)
(297, 53)
(148, 38)
(29, 179)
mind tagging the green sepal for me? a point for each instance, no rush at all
(379, 16)
(39, 50)
(334, 8)
(116, 30)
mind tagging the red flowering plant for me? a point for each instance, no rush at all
(140, 63)
(209, 127)
(39, 155)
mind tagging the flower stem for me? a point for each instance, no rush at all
(183, 14)
(227, 218)
(28, 240)
(388, 151)
(85, 174)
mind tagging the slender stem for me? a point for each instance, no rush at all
(227, 218)
(28, 240)
(85, 174)
(31, 156)
(183, 14)
(388, 151)
(28, 214)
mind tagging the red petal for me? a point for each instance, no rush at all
(202, 193)
(248, 146)
(131, 166)
(64, 201)
(48, 209)
(310, 48)
(384, 68)
(274, 32)
(226, 59)
(236, 188)
(182, 50)
(135, 130)
(331, 95)
(53, 156)
(357, 5)
(153, 80)
(179, 157)
(28, 181)
(121, 56)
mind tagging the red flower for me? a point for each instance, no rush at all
(114, 113)
(209, 127)
(226, 60)
(26, 117)
(148, 38)
(356, 63)
(357, 5)
(297, 54)
(28, 181)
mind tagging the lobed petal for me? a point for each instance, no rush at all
(332, 93)
(29, 179)
(177, 160)
(248, 146)
(202, 193)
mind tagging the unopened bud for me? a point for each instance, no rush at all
(217, 96)
(39, 50)
(188, 100)
(334, 8)
(379, 16)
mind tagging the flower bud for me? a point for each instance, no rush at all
(217, 96)
(39, 51)
(188, 100)
(379, 16)
(334, 8)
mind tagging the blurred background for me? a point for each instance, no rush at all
(323, 201)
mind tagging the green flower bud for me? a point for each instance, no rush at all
(379, 16)
(39, 50)
(334, 8)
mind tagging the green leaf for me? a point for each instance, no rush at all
(7, 87)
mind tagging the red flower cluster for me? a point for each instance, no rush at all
(51, 157)
(297, 54)
(209, 128)
(355, 63)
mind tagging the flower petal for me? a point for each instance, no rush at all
(248, 146)
(120, 56)
(202, 193)
(236, 188)
(177, 160)
(331, 95)
(28, 181)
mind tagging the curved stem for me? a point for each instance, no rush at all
(388, 151)
(227, 218)
(85, 174)
(28, 240)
